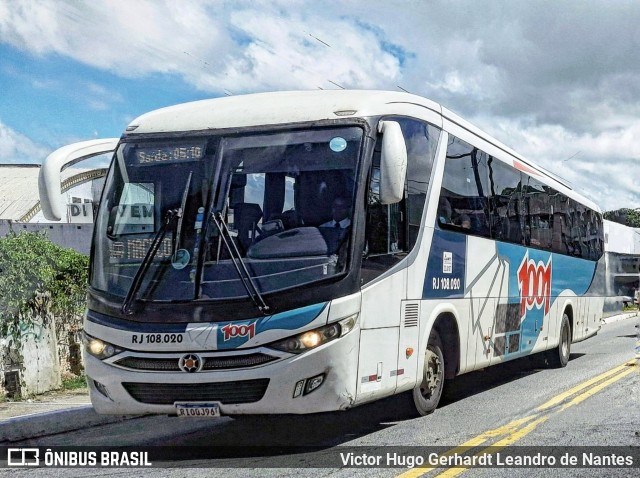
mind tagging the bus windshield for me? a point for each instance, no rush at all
(283, 198)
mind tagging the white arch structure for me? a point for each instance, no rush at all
(49, 184)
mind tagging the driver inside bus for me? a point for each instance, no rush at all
(340, 212)
(335, 231)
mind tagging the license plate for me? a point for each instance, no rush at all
(157, 339)
(198, 410)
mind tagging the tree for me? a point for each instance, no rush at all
(37, 276)
(626, 216)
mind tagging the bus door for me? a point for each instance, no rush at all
(379, 336)
(383, 290)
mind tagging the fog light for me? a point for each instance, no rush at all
(101, 388)
(313, 383)
(297, 391)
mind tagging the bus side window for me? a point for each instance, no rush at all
(384, 242)
(384, 221)
(463, 204)
(507, 206)
(538, 214)
(392, 230)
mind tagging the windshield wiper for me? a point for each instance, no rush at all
(178, 233)
(170, 216)
(236, 258)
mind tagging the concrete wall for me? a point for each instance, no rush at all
(621, 239)
(45, 358)
(41, 371)
(36, 362)
(622, 249)
(72, 236)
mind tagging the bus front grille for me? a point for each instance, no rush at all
(241, 391)
(209, 363)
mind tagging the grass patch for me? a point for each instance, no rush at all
(74, 383)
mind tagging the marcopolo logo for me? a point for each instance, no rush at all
(231, 331)
(534, 282)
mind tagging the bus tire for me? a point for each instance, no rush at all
(559, 357)
(426, 395)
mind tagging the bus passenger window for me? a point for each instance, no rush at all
(463, 204)
(505, 183)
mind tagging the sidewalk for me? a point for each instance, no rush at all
(49, 414)
(47, 402)
(620, 316)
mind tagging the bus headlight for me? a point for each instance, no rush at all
(316, 337)
(99, 348)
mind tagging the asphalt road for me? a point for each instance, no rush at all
(593, 402)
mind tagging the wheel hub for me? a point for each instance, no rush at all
(565, 343)
(432, 374)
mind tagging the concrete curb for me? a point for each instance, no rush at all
(59, 421)
(616, 318)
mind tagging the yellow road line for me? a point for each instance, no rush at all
(583, 396)
(505, 442)
(512, 430)
(559, 398)
(517, 435)
(472, 443)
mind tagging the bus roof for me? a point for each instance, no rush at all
(261, 109)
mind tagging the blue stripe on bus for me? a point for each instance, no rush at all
(289, 320)
(445, 278)
(567, 273)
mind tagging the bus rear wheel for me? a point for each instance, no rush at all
(559, 357)
(426, 395)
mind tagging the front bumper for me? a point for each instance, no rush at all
(337, 360)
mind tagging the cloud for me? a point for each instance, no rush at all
(212, 45)
(18, 149)
(547, 78)
(545, 57)
(603, 166)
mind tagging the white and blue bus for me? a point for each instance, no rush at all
(299, 252)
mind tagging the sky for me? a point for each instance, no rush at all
(557, 81)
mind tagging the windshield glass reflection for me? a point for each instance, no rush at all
(285, 197)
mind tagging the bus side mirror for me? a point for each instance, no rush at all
(393, 162)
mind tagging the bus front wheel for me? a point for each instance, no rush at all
(559, 357)
(427, 394)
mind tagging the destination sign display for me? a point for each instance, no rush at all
(169, 153)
